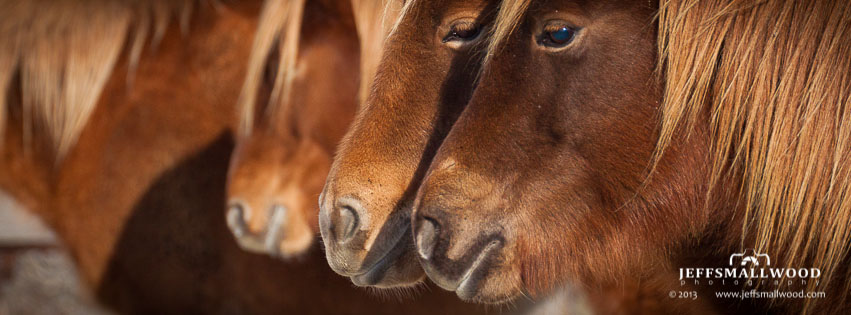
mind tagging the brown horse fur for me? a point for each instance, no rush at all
(136, 199)
(282, 163)
(552, 184)
(375, 175)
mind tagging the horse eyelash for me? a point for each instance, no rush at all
(453, 30)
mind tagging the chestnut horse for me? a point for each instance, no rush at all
(278, 164)
(131, 175)
(284, 151)
(422, 76)
(598, 147)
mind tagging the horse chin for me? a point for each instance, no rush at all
(392, 278)
(490, 286)
(486, 280)
(294, 246)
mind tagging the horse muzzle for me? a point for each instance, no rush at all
(377, 256)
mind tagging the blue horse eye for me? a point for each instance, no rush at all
(560, 36)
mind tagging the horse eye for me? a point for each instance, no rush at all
(557, 36)
(462, 32)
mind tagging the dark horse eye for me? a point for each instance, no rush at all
(557, 35)
(464, 31)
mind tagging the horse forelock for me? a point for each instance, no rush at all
(403, 11)
(773, 78)
(278, 31)
(64, 53)
(507, 19)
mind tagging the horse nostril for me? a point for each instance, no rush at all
(237, 215)
(347, 224)
(426, 238)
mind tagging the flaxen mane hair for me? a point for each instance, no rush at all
(774, 80)
(279, 31)
(64, 52)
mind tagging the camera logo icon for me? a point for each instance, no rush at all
(750, 257)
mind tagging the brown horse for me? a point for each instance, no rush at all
(431, 59)
(519, 184)
(283, 156)
(597, 147)
(135, 196)
(278, 168)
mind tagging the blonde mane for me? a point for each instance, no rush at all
(507, 19)
(279, 31)
(64, 52)
(774, 80)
